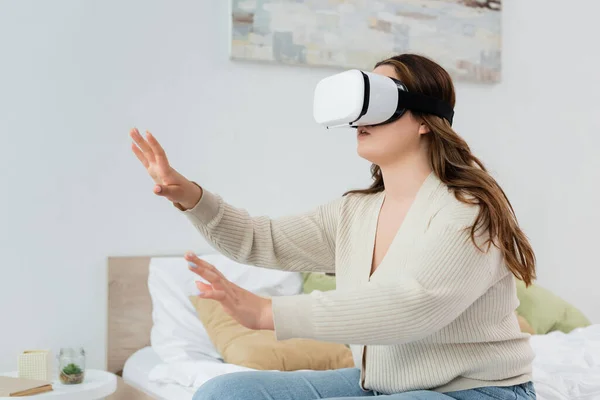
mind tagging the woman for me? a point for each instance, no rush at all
(425, 261)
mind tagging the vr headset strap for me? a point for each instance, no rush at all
(425, 104)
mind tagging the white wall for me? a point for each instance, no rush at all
(76, 75)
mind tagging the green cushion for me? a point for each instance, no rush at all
(546, 312)
(317, 281)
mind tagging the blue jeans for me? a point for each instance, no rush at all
(341, 384)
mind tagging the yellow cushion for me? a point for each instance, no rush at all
(261, 350)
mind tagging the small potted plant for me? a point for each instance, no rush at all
(72, 365)
(71, 374)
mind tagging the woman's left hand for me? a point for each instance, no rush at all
(250, 310)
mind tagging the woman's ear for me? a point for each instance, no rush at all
(424, 128)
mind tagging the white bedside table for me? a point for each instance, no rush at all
(96, 385)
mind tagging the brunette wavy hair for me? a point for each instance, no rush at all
(455, 165)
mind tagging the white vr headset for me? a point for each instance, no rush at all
(357, 98)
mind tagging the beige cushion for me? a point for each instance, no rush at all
(261, 350)
(524, 325)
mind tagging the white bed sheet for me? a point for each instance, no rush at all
(136, 372)
(145, 371)
(566, 367)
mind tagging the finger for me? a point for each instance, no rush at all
(210, 273)
(157, 150)
(212, 278)
(169, 191)
(203, 287)
(219, 280)
(209, 292)
(142, 144)
(214, 295)
(138, 153)
(193, 258)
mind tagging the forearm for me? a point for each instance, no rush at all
(298, 243)
(372, 316)
(424, 297)
(192, 194)
(376, 315)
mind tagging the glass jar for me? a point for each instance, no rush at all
(71, 365)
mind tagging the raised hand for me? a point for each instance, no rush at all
(250, 310)
(169, 183)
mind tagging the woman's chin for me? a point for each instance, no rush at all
(368, 153)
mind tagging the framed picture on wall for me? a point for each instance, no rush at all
(462, 35)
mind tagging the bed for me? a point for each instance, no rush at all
(567, 366)
(137, 371)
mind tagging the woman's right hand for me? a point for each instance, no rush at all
(169, 183)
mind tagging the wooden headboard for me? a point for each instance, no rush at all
(129, 309)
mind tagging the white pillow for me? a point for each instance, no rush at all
(177, 334)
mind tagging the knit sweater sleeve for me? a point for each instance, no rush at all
(303, 242)
(449, 274)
